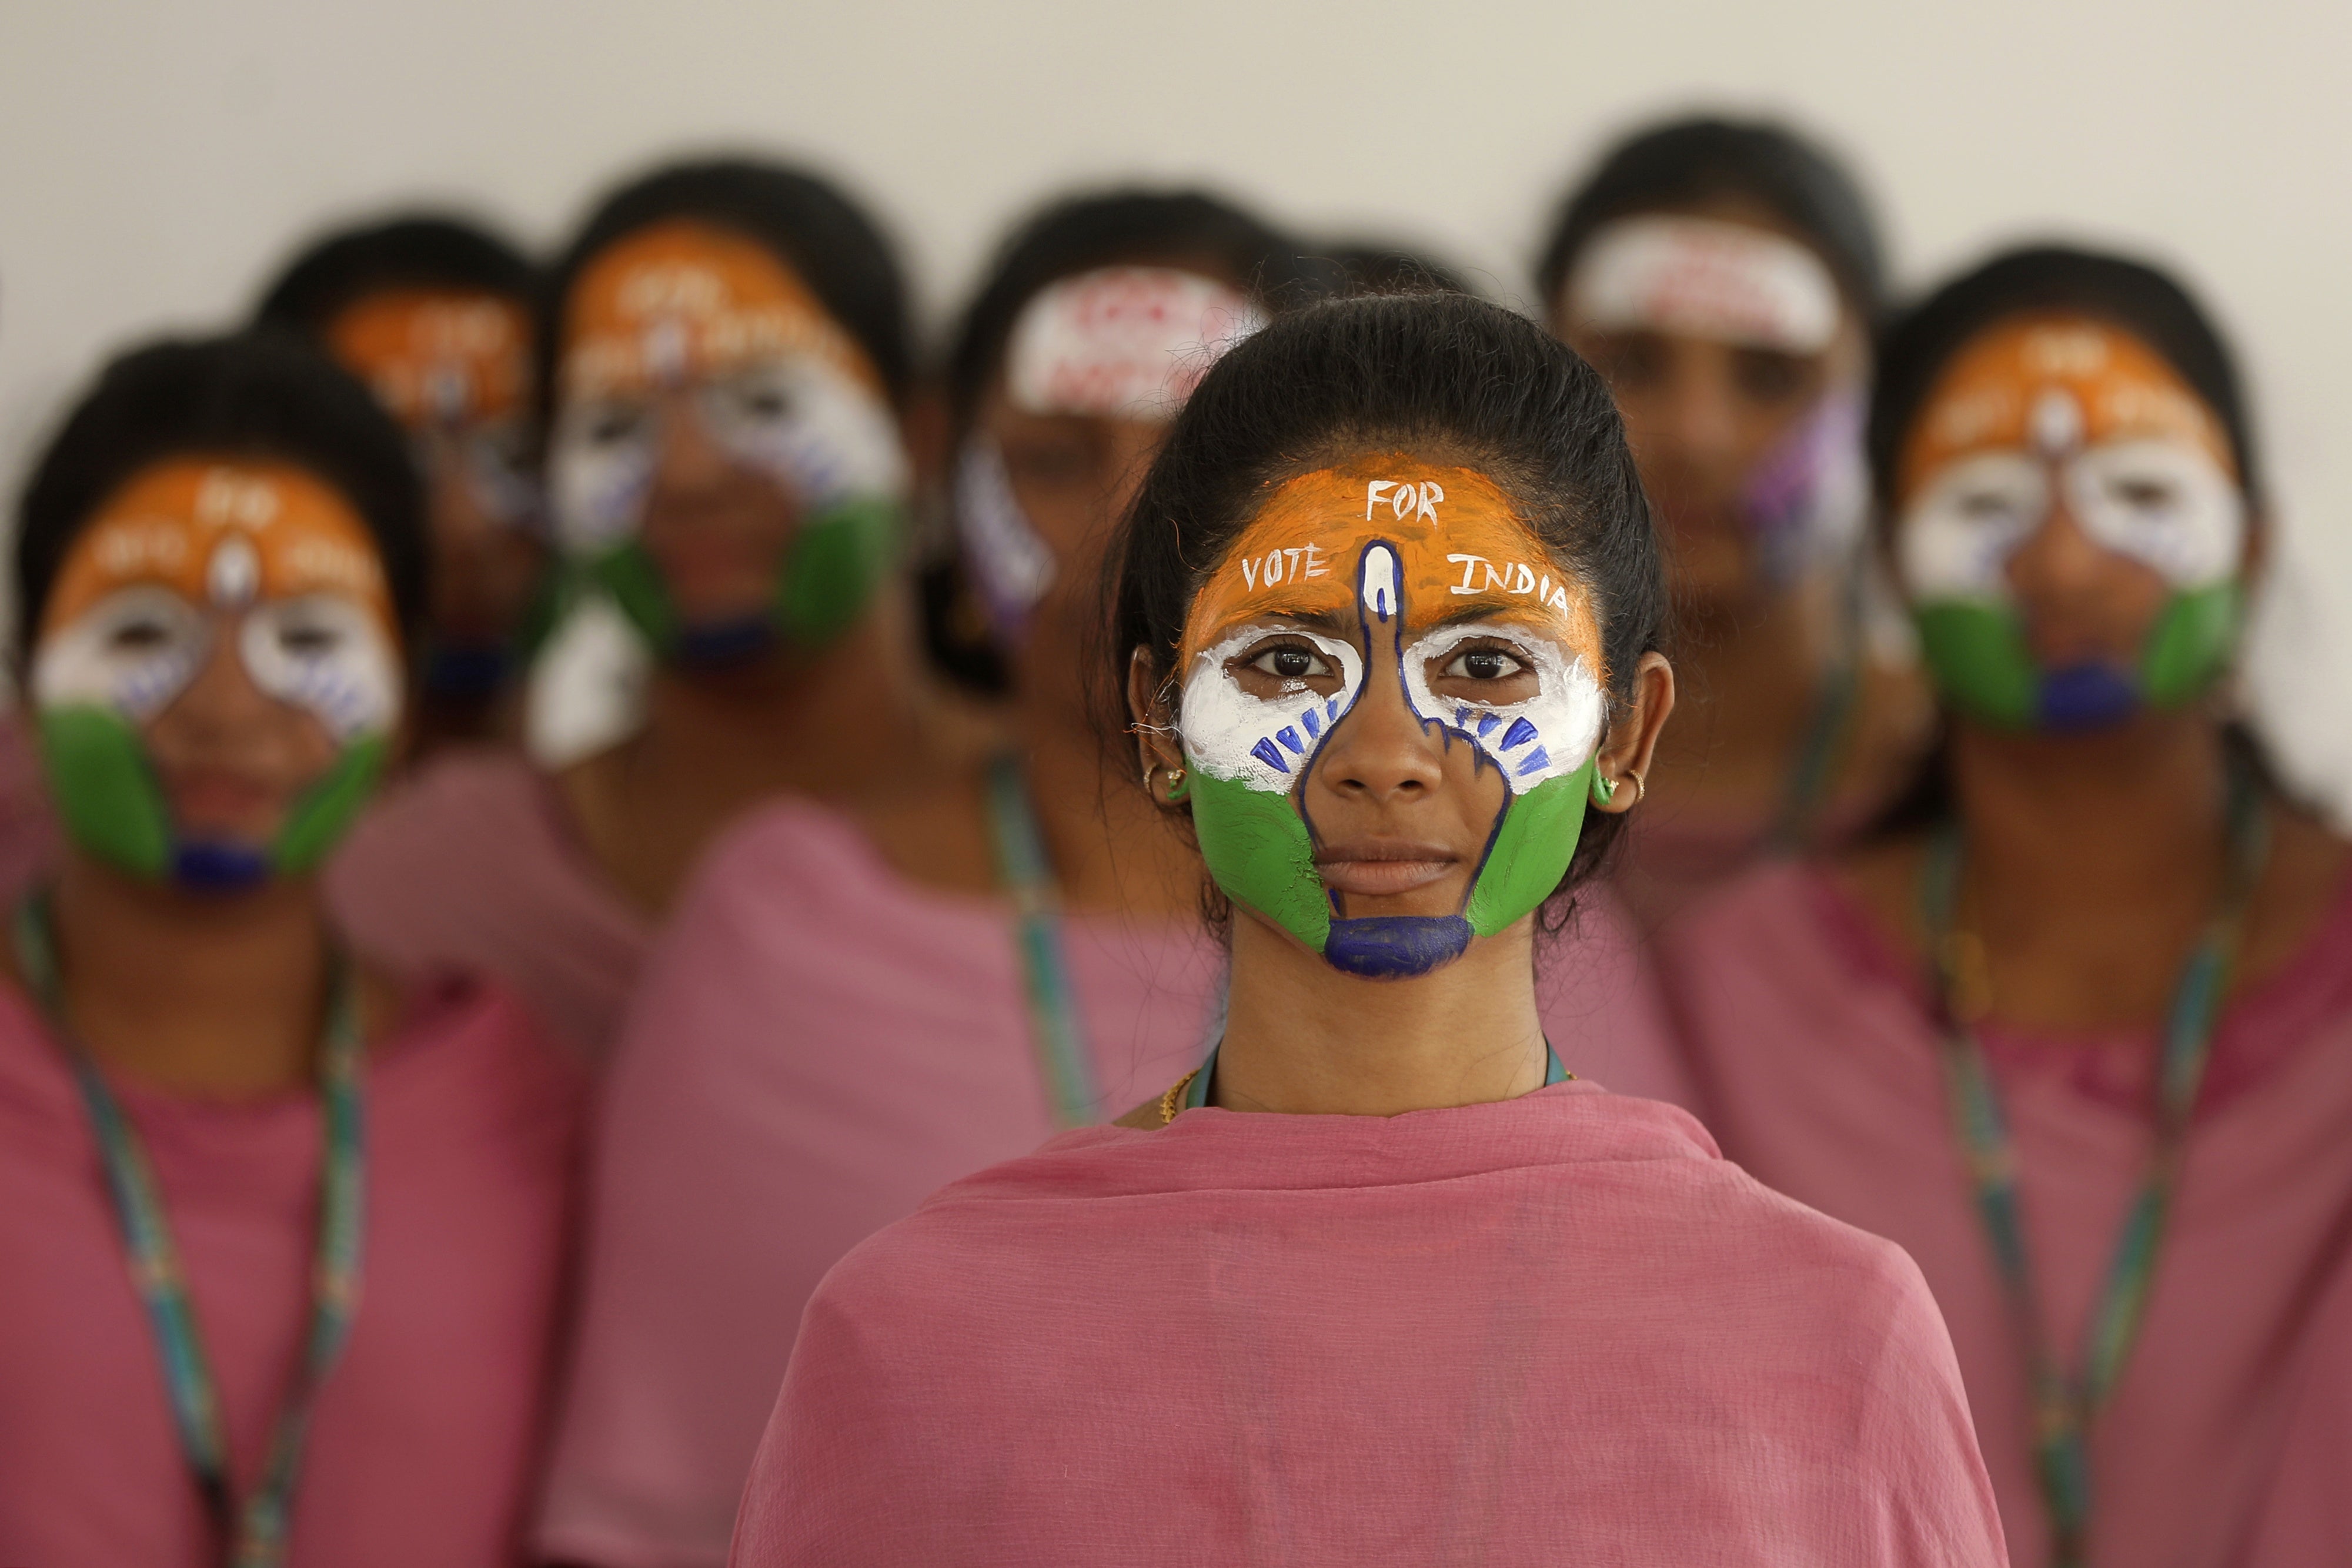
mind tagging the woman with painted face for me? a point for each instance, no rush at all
(434, 314)
(1380, 1281)
(2075, 1027)
(1725, 276)
(283, 1243)
(724, 357)
(853, 1010)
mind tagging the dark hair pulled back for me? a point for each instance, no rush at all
(806, 222)
(252, 395)
(1689, 162)
(425, 250)
(1443, 375)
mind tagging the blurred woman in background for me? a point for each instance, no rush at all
(2075, 1027)
(435, 315)
(851, 1009)
(283, 1240)
(1725, 277)
(1377, 1283)
(724, 359)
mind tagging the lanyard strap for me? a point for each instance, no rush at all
(1196, 1087)
(2065, 1403)
(255, 1535)
(1829, 725)
(1021, 864)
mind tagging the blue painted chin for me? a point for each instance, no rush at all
(465, 673)
(219, 867)
(2086, 696)
(717, 644)
(1395, 946)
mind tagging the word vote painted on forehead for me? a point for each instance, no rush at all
(689, 317)
(2049, 412)
(185, 553)
(1119, 342)
(1389, 580)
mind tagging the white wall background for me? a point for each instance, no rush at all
(157, 157)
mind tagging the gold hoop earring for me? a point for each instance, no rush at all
(1640, 788)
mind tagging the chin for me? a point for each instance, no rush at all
(1395, 946)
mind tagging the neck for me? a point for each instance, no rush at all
(221, 998)
(1112, 851)
(1301, 1037)
(1746, 679)
(2085, 833)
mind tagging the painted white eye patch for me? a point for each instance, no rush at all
(2166, 504)
(136, 650)
(1263, 742)
(1547, 734)
(797, 418)
(1011, 564)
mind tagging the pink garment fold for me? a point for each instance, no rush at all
(1819, 1070)
(424, 1442)
(1559, 1328)
(817, 1045)
(470, 866)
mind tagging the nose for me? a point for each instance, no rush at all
(2057, 561)
(222, 701)
(688, 461)
(1696, 423)
(1382, 752)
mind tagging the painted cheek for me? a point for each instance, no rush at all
(805, 423)
(599, 475)
(1956, 537)
(1547, 735)
(2163, 503)
(325, 653)
(1263, 742)
(133, 653)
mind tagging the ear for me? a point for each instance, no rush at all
(1151, 715)
(1625, 751)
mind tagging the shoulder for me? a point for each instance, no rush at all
(466, 795)
(455, 1040)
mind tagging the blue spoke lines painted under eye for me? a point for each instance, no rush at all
(1311, 720)
(1482, 726)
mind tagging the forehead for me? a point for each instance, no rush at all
(1462, 548)
(167, 522)
(425, 323)
(680, 268)
(1986, 396)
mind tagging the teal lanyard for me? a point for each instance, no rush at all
(1196, 1093)
(1028, 879)
(1805, 792)
(255, 1535)
(2065, 1404)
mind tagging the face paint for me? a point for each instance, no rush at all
(187, 553)
(1122, 342)
(455, 370)
(2047, 411)
(1384, 570)
(1701, 277)
(688, 309)
(1807, 500)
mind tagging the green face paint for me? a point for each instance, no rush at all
(1254, 736)
(1978, 656)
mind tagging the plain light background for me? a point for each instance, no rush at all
(157, 160)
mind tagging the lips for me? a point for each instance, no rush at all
(1377, 868)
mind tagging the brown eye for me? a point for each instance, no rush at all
(140, 636)
(310, 641)
(1290, 662)
(1484, 665)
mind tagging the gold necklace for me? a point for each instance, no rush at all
(1168, 1102)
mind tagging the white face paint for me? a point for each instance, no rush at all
(1262, 742)
(1012, 565)
(1701, 277)
(1547, 735)
(135, 651)
(1122, 342)
(2165, 503)
(799, 419)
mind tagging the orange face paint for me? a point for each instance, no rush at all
(437, 357)
(1463, 549)
(684, 301)
(225, 534)
(2048, 383)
